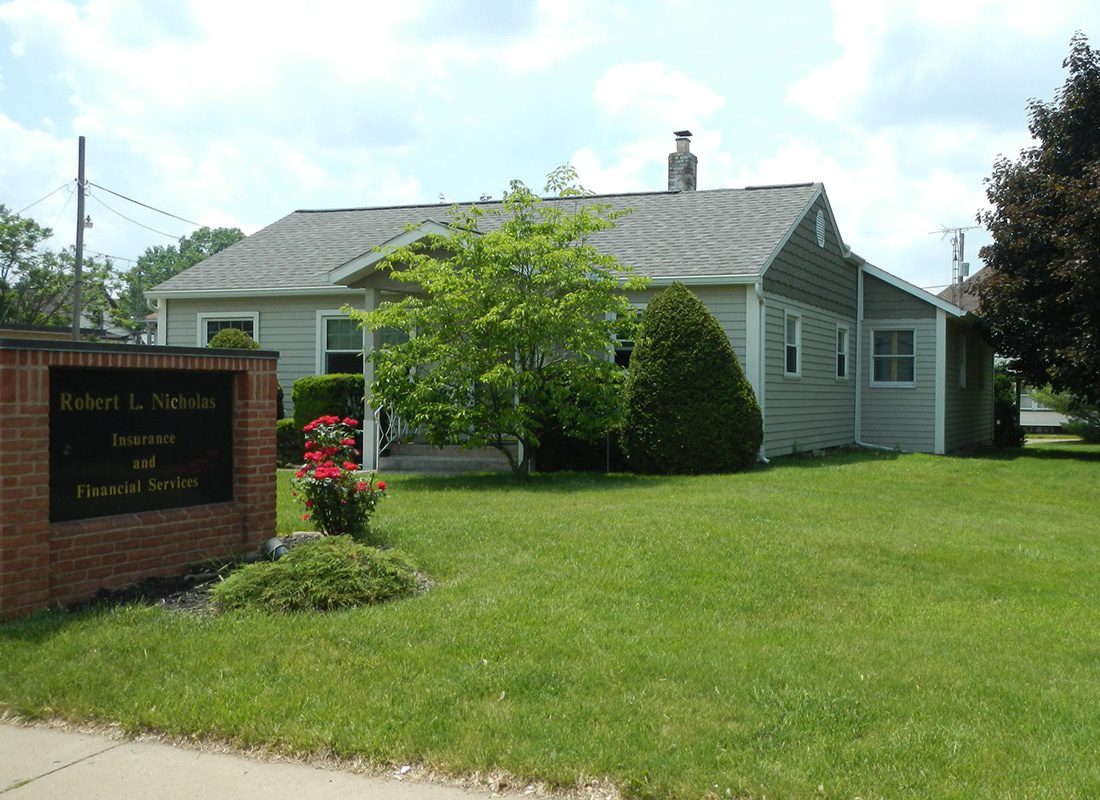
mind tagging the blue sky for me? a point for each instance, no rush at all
(236, 113)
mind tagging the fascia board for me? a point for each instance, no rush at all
(184, 294)
(699, 280)
(915, 291)
(360, 266)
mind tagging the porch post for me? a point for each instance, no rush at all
(370, 428)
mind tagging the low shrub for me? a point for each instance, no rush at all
(330, 573)
(289, 441)
(233, 339)
(280, 405)
(327, 395)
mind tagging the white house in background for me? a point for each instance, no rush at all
(838, 350)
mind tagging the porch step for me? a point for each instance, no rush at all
(450, 460)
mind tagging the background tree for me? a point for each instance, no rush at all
(1084, 417)
(1042, 298)
(36, 283)
(513, 321)
(689, 407)
(159, 263)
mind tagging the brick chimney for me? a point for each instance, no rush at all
(682, 164)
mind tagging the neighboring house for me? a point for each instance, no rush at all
(838, 350)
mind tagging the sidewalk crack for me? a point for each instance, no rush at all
(25, 781)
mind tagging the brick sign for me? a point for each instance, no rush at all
(127, 440)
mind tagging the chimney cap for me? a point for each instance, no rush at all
(681, 134)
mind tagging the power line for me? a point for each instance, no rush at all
(39, 200)
(146, 205)
(134, 221)
(108, 255)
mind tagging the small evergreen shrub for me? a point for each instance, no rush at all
(280, 408)
(1006, 415)
(331, 573)
(233, 339)
(688, 406)
(289, 442)
(338, 395)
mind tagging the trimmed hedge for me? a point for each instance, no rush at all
(318, 395)
(688, 406)
(233, 339)
(289, 444)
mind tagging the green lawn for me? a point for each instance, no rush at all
(871, 624)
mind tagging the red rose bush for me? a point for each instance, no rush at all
(337, 497)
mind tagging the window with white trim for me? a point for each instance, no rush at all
(792, 344)
(209, 325)
(842, 351)
(342, 345)
(962, 362)
(623, 346)
(893, 357)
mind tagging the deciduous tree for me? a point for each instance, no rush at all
(1042, 299)
(511, 323)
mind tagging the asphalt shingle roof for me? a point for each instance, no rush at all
(681, 234)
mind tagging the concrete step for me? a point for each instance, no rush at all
(442, 461)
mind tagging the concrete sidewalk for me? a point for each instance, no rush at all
(39, 763)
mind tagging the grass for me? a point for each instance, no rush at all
(864, 624)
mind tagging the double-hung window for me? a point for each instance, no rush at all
(212, 324)
(792, 344)
(341, 345)
(842, 351)
(893, 358)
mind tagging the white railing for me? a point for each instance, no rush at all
(390, 430)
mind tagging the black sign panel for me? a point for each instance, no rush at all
(124, 440)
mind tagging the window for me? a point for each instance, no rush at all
(211, 324)
(342, 346)
(625, 347)
(792, 344)
(841, 351)
(962, 362)
(893, 358)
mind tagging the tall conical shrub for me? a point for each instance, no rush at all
(689, 407)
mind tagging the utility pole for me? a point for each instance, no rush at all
(78, 267)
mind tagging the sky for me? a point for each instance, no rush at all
(234, 113)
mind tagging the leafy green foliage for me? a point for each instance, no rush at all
(1084, 417)
(289, 441)
(158, 263)
(1007, 431)
(689, 407)
(316, 396)
(331, 573)
(512, 323)
(1042, 298)
(36, 284)
(233, 339)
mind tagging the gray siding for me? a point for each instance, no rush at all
(817, 276)
(903, 417)
(816, 409)
(286, 324)
(883, 301)
(726, 303)
(968, 417)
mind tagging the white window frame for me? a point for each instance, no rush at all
(962, 361)
(842, 329)
(321, 338)
(797, 344)
(204, 317)
(871, 352)
(639, 309)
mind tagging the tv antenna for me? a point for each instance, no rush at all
(960, 267)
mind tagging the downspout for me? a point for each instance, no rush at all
(761, 371)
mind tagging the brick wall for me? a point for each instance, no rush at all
(44, 563)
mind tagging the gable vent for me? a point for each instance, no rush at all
(820, 228)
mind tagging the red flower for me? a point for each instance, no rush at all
(309, 445)
(381, 486)
(351, 422)
(300, 473)
(349, 441)
(309, 504)
(361, 487)
(305, 516)
(350, 465)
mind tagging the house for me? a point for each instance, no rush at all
(838, 350)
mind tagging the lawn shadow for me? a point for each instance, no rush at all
(539, 482)
(1061, 451)
(834, 457)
